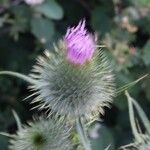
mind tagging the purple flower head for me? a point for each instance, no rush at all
(80, 44)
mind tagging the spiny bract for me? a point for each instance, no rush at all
(42, 135)
(141, 146)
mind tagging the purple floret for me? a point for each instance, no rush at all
(80, 44)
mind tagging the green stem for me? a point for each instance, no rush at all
(18, 75)
(82, 134)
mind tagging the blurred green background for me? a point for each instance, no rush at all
(123, 26)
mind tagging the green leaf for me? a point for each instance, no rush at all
(146, 53)
(132, 118)
(43, 29)
(50, 9)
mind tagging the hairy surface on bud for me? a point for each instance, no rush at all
(42, 135)
(72, 90)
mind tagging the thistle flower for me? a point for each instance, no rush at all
(80, 44)
(42, 135)
(34, 2)
(76, 80)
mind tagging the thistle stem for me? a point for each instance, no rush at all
(82, 134)
(18, 75)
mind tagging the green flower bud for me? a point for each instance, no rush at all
(42, 135)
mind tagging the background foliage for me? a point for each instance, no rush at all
(122, 25)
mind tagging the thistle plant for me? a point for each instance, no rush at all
(141, 140)
(75, 81)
